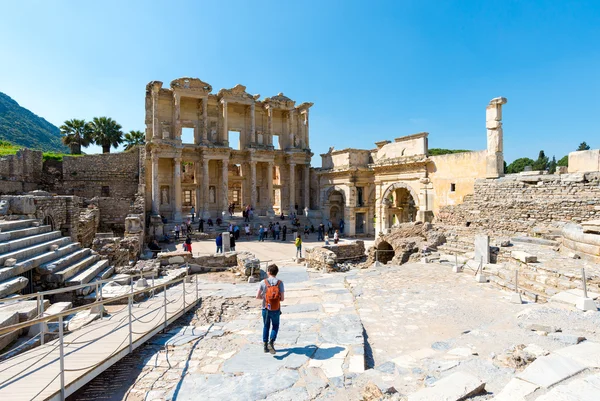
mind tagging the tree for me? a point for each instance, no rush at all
(563, 162)
(134, 138)
(106, 132)
(552, 166)
(519, 165)
(583, 146)
(76, 134)
(541, 163)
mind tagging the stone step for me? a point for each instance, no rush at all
(531, 295)
(12, 286)
(23, 232)
(27, 310)
(16, 244)
(8, 319)
(9, 225)
(72, 270)
(106, 273)
(38, 260)
(60, 263)
(24, 253)
(85, 276)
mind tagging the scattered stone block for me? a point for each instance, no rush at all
(481, 278)
(566, 338)
(10, 262)
(456, 386)
(54, 248)
(141, 283)
(587, 353)
(523, 257)
(516, 390)
(482, 249)
(550, 370)
(251, 280)
(541, 327)
(372, 392)
(505, 243)
(515, 298)
(457, 269)
(8, 319)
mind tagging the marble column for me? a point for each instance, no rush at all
(225, 185)
(306, 145)
(252, 124)
(155, 121)
(177, 188)
(205, 119)
(270, 211)
(197, 183)
(269, 140)
(225, 133)
(291, 130)
(307, 186)
(205, 189)
(176, 116)
(292, 187)
(253, 184)
(155, 188)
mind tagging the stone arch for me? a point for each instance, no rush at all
(49, 221)
(385, 252)
(399, 185)
(330, 190)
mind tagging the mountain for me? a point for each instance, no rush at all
(21, 127)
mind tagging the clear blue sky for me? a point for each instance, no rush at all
(375, 70)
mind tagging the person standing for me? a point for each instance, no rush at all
(201, 225)
(284, 232)
(329, 227)
(193, 212)
(219, 242)
(320, 232)
(231, 242)
(271, 291)
(342, 224)
(247, 229)
(298, 244)
(261, 233)
(277, 229)
(176, 228)
(336, 237)
(188, 244)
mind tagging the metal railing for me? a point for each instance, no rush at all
(42, 320)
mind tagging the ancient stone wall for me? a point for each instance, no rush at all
(521, 202)
(20, 172)
(113, 212)
(89, 220)
(114, 175)
(327, 257)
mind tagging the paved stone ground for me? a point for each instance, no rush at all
(422, 323)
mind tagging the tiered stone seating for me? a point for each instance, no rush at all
(54, 259)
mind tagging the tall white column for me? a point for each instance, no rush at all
(225, 133)
(307, 185)
(252, 123)
(270, 189)
(269, 126)
(292, 128)
(155, 121)
(225, 185)
(253, 184)
(292, 187)
(306, 136)
(176, 116)
(205, 189)
(155, 189)
(198, 183)
(177, 188)
(205, 119)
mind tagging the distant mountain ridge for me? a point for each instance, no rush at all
(22, 127)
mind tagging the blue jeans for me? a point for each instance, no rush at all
(270, 317)
(219, 249)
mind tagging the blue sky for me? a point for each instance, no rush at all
(375, 70)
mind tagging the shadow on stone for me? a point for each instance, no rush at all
(309, 351)
(369, 361)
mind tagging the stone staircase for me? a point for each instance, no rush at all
(34, 258)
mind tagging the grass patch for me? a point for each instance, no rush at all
(7, 148)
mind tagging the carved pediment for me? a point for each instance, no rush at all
(191, 84)
(280, 101)
(238, 92)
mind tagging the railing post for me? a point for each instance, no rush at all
(43, 325)
(583, 282)
(153, 285)
(197, 292)
(376, 255)
(165, 303)
(184, 280)
(130, 325)
(97, 292)
(62, 358)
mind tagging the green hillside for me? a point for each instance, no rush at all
(21, 127)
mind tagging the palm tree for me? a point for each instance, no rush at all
(106, 133)
(134, 138)
(76, 134)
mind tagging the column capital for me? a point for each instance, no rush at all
(177, 159)
(154, 155)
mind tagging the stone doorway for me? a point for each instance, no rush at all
(336, 207)
(360, 223)
(402, 207)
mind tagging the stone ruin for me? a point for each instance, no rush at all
(334, 257)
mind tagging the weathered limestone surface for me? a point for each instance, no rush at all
(326, 257)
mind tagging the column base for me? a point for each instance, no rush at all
(177, 217)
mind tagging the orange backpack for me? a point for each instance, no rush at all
(272, 297)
